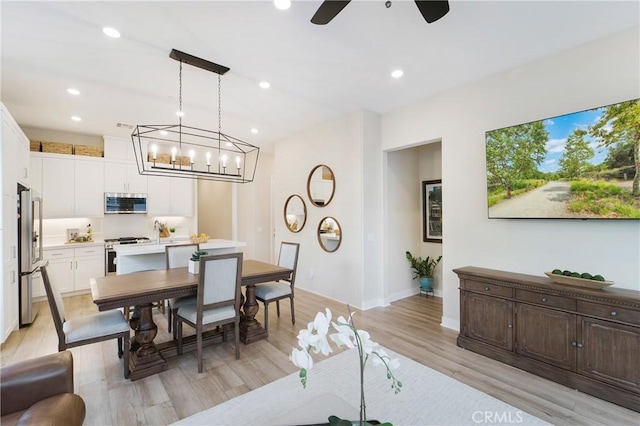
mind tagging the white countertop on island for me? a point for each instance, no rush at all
(136, 249)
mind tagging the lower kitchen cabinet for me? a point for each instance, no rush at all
(71, 269)
(583, 338)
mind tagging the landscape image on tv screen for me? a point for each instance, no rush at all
(584, 165)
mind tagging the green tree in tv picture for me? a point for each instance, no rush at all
(619, 125)
(514, 153)
(577, 151)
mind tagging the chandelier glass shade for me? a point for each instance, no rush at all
(177, 150)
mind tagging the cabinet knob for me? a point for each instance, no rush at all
(574, 344)
(487, 289)
(510, 326)
(614, 313)
(579, 345)
(544, 299)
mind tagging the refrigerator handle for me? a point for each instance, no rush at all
(40, 248)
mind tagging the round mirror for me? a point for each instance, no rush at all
(329, 234)
(321, 185)
(295, 213)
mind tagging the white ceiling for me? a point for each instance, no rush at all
(316, 72)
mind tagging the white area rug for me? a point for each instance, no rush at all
(427, 398)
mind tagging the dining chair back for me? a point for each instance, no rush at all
(177, 256)
(89, 329)
(275, 291)
(217, 301)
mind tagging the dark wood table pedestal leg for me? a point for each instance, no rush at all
(145, 359)
(250, 329)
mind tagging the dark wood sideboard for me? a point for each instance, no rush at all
(582, 338)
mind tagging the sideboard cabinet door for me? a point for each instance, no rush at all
(489, 319)
(546, 335)
(610, 352)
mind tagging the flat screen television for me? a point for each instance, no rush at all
(584, 165)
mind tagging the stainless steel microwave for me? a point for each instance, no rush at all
(123, 203)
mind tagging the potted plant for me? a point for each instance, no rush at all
(423, 269)
(194, 262)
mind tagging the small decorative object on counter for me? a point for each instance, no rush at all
(90, 233)
(194, 262)
(198, 239)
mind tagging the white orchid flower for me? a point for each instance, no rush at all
(368, 345)
(345, 334)
(301, 359)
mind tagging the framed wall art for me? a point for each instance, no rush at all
(432, 211)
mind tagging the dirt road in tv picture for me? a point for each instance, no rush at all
(584, 165)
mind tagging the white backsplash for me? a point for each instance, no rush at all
(114, 226)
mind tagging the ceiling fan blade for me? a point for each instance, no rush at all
(328, 10)
(432, 10)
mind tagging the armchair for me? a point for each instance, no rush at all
(40, 391)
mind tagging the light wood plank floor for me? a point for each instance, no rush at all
(409, 326)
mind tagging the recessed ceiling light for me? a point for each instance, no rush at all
(282, 4)
(73, 91)
(111, 32)
(180, 113)
(254, 131)
(76, 118)
(397, 73)
(163, 132)
(265, 84)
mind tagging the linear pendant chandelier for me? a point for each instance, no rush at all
(177, 150)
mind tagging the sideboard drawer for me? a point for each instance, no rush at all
(609, 312)
(546, 300)
(493, 289)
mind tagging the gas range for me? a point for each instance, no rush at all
(110, 242)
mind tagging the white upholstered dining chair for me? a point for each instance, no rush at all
(218, 300)
(89, 329)
(275, 291)
(178, 256)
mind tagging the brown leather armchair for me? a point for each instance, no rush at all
(40, 391)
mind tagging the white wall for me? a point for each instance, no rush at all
(599, 73)
(48, 135)
(253, 211)
(339, 145)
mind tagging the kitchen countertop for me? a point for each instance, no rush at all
(151, 248)
(62, 245)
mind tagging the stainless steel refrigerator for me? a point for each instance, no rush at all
(30, 252)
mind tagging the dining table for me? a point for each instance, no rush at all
(143, 289)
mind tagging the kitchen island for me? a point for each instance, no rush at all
(145, 257)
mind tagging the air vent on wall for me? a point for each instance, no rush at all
(127, 126)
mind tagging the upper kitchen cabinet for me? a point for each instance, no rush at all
(72, 187)
(15, 154)
(170, 196)
(123, 177)
(35, 172)
(118, 149)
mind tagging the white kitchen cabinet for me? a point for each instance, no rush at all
(72, 187)
(181, 197)
(71, 269)
(123, 177)
(89, 188)
(88, 263)
(10, 227)
(22, 158)
(9, 137)
(9, 315)
(170, 196)
(58, 183)
(35, 171)
(60, 269)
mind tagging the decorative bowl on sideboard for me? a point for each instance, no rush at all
(578, 282)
